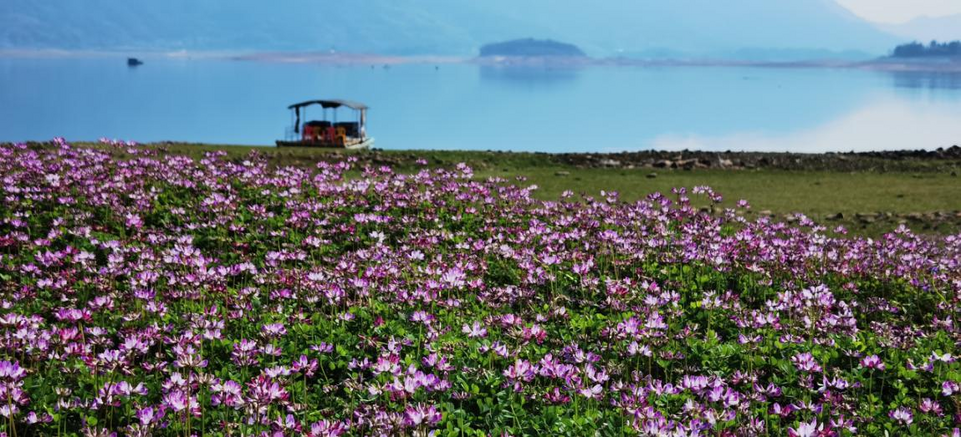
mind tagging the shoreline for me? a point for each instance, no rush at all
(880, 64)
(349, 59)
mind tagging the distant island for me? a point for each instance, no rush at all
(530, 47)
(933, 50)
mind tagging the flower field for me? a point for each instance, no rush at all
(162, 296)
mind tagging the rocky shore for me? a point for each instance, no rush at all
(940, 160)
(901, 160)
(881, 218)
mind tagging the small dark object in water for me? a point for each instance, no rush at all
(133, 62)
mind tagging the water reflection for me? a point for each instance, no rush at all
(927, 80)
(529, 76)
(882, 124)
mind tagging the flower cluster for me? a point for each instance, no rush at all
(148, 294)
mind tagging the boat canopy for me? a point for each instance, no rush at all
(327, 104)
(331, 104)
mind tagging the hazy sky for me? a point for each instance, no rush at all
(898, 11)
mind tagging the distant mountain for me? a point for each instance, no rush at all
(926, 29)
(531, 47)
(699, 28)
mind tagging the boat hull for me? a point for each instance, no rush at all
(366, 144)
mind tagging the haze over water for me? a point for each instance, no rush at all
(590, 109)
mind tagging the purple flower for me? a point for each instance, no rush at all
(929, 406)
(902, 415)
(274, 330)
(11, 371)
(421, 415)
(228, 393)
(245, 353)
(263, 391)
(872, 362)
(326, 428)
(944, 358)
(805, 362)
(179, 401)
(150, 416)
(305, 366)
(476, 330)
(809, 429)
(421, 317)
(454, 278)
(322, 348)
(521, 370)
(949, 388)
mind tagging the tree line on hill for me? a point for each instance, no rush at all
(932, 50)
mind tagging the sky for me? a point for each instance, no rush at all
(899, 11)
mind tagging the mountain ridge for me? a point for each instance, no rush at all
(439, 27)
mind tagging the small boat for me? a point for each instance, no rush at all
(327, 132)
(133, 62)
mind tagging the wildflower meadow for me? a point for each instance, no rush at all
(158, 295)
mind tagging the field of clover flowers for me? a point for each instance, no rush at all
(161, 296)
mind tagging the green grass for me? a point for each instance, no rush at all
(776, 190)
(818, 194)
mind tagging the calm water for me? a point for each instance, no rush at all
(473, 107)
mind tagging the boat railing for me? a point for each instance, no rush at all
(290, 134)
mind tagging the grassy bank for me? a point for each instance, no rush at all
(923, 194)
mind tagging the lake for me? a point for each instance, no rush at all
(465, 106)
